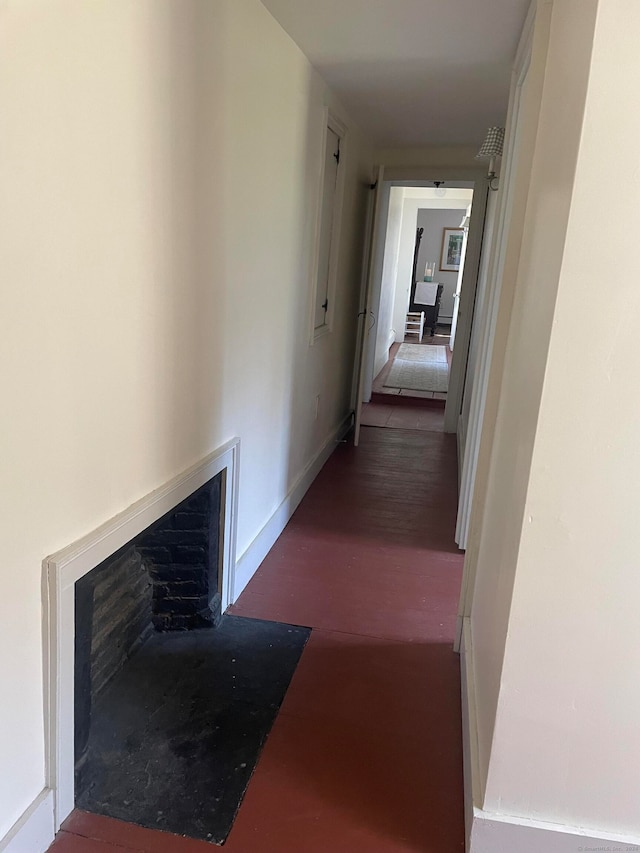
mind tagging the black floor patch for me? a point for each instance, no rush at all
(176, 735)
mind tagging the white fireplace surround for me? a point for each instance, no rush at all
(64, 568)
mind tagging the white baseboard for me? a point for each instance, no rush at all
(248, 563)
(490, 832)
(461, 434)
(473, 793)
(34, 832)
(494, 833)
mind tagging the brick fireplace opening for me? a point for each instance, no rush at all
(166, 579)
(159, 569)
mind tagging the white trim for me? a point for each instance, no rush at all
(364, 358)
(330, 122)
(462, 443)
(33, 832)
(364, 365)
(363, 295)
(468, 287)
(497, 833)
(493, 832)
(255, 553)
(375, 268)
(64, 568)
(473, 793)
(461, 435)
(523, 51)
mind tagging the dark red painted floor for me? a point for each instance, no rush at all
(366, 752)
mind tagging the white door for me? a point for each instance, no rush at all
(364, 315)
(456, 295)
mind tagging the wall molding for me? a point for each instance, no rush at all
(34, 831)
(64, 568)
(257, 550)
(492, 832)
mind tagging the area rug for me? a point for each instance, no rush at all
(177, 733)
(419, 368)
(424, 353)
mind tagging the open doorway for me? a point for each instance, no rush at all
(422, 262)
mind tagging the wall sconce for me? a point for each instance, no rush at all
(440, 190)
(490, 149)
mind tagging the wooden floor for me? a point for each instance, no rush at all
(365, 755)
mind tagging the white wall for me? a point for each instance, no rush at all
(433, 222)
(577, 710)
(548, 204)
(554, 613)
(431, 163)
(149, 311)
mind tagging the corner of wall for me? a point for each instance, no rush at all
(493, 832)
(249, 561)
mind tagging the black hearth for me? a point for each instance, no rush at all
(173, 701)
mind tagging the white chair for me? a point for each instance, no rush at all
(414, 324)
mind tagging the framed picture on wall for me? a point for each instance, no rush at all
(452, 239)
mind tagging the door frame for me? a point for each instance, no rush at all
(467, 299)
(457, 292)
(424, 177)
(503, 238)
(372, 255)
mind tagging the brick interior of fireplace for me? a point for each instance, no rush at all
(166, 579)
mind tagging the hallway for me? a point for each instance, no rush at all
(366, 753)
